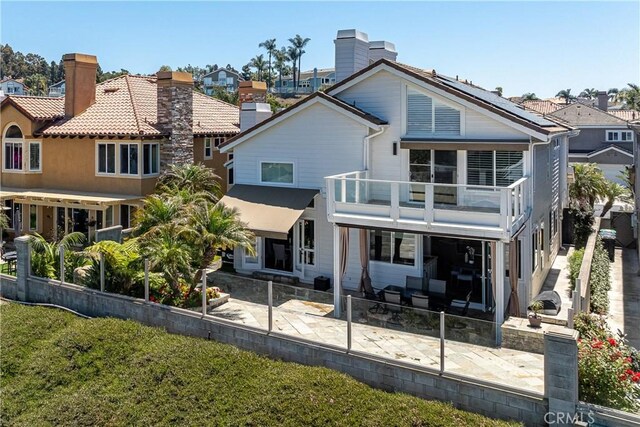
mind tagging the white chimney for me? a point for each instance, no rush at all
(352, 53)
(382, 49)
(252, 113)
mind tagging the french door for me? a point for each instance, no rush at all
(434, 166)
(305, 245)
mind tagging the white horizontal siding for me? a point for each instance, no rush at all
(319, 140)
(478, 125)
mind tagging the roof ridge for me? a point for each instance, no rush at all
(33, 96)
(133, 103)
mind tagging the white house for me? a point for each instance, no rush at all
(9, 86)
(397, 171)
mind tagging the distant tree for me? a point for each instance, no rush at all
(259, 64)
(299, 43)
(589, 93)
(60, 75)
(499, 90)
(529, 96)
(221, 93)
(53, 73)
(293, 55)
(566, 95)
(37, 84)
(613, 94)
(111, 74)
(631, 96)
(281, 62)
(165, 68)
(246, 71)
(270, 46)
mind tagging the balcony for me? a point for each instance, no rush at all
(452, 209)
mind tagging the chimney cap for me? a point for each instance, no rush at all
(175, 76)
(256, 106)
(352, 34)
(80, 57)
(382, 44)
(253, 84)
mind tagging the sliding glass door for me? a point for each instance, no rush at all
(434, 166)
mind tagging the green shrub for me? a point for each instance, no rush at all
(575, 262)
(591, 326)
(600, 279)
(582, 225)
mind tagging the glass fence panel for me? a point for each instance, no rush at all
(472, 198)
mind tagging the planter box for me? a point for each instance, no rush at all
(217, 302)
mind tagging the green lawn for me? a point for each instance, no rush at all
(58, 369)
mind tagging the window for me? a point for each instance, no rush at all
(13, 132)
(107, 158)
(249, 258)
(109, 217)
(494, 168)
(392, 247)
(33, 217)
(13, 156)
(219, 140)
(151, 159)
(127, 213)
(278, 173)
(426, 115)
(34, 156)
(534, 250)
(208, 150)
(619, 135)
(129, 159)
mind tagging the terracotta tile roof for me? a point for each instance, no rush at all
(127, 105)
(628, 115)
(37, 107)
(541, 106)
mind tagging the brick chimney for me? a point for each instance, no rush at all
(603, 100)
(252, 97)
(175, 117)
(80, 81)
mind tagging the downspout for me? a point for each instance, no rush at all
(365, 146)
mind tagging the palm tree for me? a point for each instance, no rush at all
(588, 184)
(298, 44)
(194, 179)
(589, 93)
(212, 228)
(259, 64)
(158, 210)
(45, 256)
(499, 90)
(4, 221)
(613, 94)
(566, 95)
(271, 48)
(281, 62)
(292, 53)
(529, 96)
(123, 265)
(631, 96)
(612, 191)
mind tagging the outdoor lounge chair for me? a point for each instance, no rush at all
(420, 301)
(413, 285)
(460, 308)
(393, 304)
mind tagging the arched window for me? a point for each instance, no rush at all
(13, 131)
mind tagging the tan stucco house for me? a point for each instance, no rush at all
(84, 161)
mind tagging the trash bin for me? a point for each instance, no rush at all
(608, 237)
(321, 283)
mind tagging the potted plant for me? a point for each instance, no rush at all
(535, 308)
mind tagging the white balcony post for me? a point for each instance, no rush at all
(516, 201)
(428, 203)
(499, 275)
(395, 200)
(343, 189)
(505, 209)
(357, 183)
(337, 291)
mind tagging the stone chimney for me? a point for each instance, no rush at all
(382, 49)
(352, 53)
(603, 100)
(252, 97)
(175, 117)
(251, 91)
(80, 80)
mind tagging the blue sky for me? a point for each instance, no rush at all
(539, 47)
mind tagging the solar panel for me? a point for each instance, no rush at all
(496, 100)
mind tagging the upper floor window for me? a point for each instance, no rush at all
(34, 156)
(426, 115)
(129, 159)
(151, 159)
(107, 158)
(276, 172)
(218, 140)
(208, 148)
(13, 156)
(494, 168)
(619, 135)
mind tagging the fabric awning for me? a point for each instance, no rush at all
(67, 198)
(268, 211)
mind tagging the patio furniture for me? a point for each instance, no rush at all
(393, 304)
(10, 258)
(279, 255)
(420, 301)
(413, 284)
(460, 307)
(437, 293)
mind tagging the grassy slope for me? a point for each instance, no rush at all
(60, 369)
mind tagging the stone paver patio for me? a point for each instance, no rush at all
(314, 322)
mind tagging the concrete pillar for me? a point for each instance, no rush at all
(561, 372)
(23, 266)
(499, 296)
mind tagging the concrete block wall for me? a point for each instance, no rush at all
(561, 371)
